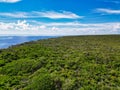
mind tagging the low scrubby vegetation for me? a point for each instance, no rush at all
(64, 63)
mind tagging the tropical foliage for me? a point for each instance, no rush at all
(64, 63)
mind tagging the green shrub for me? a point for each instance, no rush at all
(43, 81)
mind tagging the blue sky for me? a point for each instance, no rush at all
(56, 17)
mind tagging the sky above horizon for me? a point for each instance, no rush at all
(56, 17)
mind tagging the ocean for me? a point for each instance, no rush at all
(6, 41)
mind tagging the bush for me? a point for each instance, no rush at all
(43, 81)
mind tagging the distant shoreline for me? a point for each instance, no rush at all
(7, 41)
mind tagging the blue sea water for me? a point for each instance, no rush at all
(6, 41)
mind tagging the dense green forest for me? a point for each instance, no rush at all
(63, 63)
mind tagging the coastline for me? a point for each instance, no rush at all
(7, 41)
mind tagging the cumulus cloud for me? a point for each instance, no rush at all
(9, 1)
(70, 28)
(42, 27)
(45, 14)
(107, 11)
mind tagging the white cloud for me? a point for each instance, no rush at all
(70, 28)
(54, 28)
(45, 14)
(57, 15)
(42, 26)
(107, 11)
(9, 1)
(116, 2)
(14, 15)
(112, 1)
